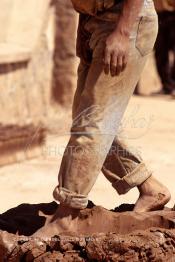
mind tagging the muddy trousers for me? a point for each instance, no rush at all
(99, 104)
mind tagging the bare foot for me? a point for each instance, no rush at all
(153, 196)
(65, 220)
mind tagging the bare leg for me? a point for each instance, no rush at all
(153, 196)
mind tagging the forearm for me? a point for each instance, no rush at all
(129, 14)
(117, 43)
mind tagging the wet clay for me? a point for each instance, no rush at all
(117, 235)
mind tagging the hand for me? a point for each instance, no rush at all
(116, 53)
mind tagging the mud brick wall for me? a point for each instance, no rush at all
(30, 90)
(24, 89)
(19, 143)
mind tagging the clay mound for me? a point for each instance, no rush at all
(106, 235)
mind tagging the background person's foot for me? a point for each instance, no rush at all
(153, 196)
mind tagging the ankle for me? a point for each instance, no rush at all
(146, 187)
(152, 187)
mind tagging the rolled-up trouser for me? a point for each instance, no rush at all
(99, 104)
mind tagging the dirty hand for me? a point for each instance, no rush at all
(116, 53)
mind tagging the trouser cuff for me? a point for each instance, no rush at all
(135, 178)
(69, 198)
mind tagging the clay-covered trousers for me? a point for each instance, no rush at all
(99, 104)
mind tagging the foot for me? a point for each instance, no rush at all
(65, 220)
(153, 196)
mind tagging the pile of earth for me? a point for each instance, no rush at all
(111, 235)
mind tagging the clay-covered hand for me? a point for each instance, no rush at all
(116, 53)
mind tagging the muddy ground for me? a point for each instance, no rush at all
(116, 235)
